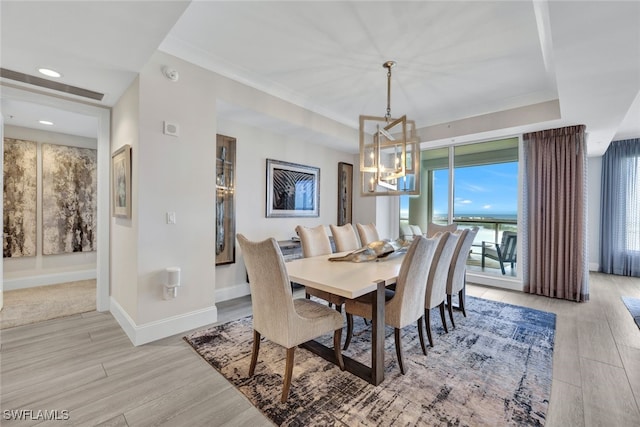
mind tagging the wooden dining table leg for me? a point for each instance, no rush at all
(377, 334)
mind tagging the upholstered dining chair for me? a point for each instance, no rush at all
(344, 237)
(406, 233)
(436, 293)
(409, 231)
(276, 315)
(368, 233)
(315, 242)
(433, 228)
(407, 304)
(457, 272)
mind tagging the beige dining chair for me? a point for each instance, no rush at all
(406, 233)
(315, 242)
(436, 293)
(407, 304)
(368, 233)
(456, 281)
(409, 231)
(276, 315)
(344, 237)
(433, 228)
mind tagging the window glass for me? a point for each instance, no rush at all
(485, 194)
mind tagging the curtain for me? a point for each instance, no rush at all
(620, 209)
(555, 211)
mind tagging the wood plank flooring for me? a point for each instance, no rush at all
(85, 364)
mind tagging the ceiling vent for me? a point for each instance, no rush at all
(60, 87)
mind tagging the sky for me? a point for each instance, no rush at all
(485, 191)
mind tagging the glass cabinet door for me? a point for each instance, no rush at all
(225, 200)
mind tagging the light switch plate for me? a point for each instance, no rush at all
(171, 217)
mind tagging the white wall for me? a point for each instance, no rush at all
(124, 231)
(364, 208)
(594, 194)
(45, 270)
(176, 174)
(169, 174)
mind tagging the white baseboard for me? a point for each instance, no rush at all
(48, 279)
(153, 331)
(495, 281)
(594, 266)
(231, 292)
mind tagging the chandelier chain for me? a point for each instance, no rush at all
(388, 65)
(388, 115)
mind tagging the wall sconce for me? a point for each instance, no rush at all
(173, 283)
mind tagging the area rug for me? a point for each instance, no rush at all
(37, 304)
(493, 369)
(633, 305)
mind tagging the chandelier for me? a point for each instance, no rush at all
(389, 152)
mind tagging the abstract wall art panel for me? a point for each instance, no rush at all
(19, 198)
(345, 193)
(69, 214)
(225, 200)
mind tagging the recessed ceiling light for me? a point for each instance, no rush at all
(49, 72)
(45, 122)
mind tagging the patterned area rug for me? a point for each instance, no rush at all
(493, 369)
(633, 305)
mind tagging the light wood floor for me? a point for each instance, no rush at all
(85, 364)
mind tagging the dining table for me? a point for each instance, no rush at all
(351, 280)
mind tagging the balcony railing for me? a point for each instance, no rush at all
(497, 225)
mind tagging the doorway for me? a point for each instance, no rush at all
(474, 185)
(102, 116)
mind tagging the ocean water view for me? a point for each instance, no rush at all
(485, 194)
(488, 224)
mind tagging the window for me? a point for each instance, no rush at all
(632, 169)
(481, 189)
(620, 209)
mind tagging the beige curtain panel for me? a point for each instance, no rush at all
(555, 212)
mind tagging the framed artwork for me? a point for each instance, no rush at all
(345, 193)
(121, 188)
(69, 202)
(293, 190)
(225, 200)
(19, 201)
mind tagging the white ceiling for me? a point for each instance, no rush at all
(456, 60)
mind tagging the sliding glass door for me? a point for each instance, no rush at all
(486, 196)
(473, 185)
